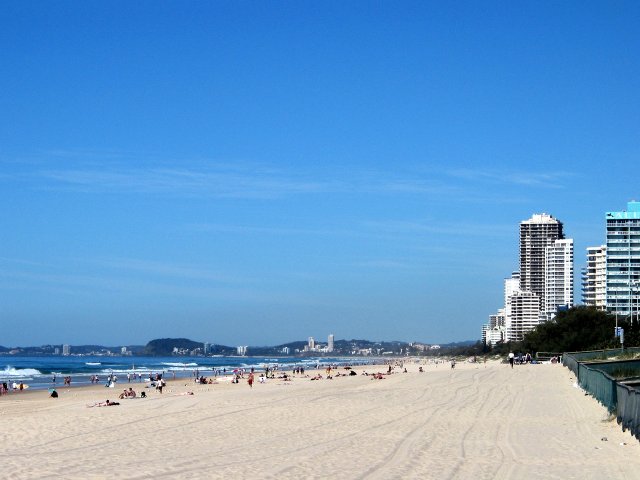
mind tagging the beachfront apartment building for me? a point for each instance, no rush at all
(594, 278)
(542, 286)
(536, 234)
(623, 260)
(558, 277)
(522, 314)
(330, 341)
(493, 336)
(494, 331)
(66, 350)
(511, 286)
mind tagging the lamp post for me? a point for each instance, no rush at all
(633, 289)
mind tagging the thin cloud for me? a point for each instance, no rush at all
(177, 271)
(260, 230)
(530, 179)
(183, 182)
(384, 264)
(438, 227)
(96, 172)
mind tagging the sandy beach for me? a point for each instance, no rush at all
(481, 421)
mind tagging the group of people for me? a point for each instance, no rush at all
(519, 359)
(16, 387)
(131, 393)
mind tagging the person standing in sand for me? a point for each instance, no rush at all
(250, 380)
(511, 359)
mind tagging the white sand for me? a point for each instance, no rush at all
(476, 422)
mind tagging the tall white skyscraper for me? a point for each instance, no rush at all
(330, 343)
(66, 350)
(511, 286)
(594, 278)
(558, 277)
(312, 343)
(536, 234)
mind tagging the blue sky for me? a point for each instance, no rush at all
(259, 172)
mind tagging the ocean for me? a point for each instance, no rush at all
(38, 372)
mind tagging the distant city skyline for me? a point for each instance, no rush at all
(256, 173)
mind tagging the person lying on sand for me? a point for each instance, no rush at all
(108, 403)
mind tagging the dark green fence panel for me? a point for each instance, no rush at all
(604, 380)
(598, 384)
(628, 411)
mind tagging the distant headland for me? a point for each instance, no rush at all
(183, 347)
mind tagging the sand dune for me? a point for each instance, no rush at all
(477, 421)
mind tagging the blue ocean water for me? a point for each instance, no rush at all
(39, 371)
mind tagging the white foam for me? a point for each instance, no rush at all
(18, 372)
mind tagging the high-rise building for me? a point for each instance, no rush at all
(511, 286)
(66, 350)
(242, 350)
(494, 331)
(522, 315)
(558, 277)
(330, 343)
(312, 343)
(536, 234)
(497, 319)
(623, 260)
(594, 278)
(205, 348)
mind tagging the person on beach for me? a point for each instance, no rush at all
(108, 403)
(511, 359)
(250, 380)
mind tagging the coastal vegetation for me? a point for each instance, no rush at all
(576, 329)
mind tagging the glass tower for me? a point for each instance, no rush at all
(623, 260)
